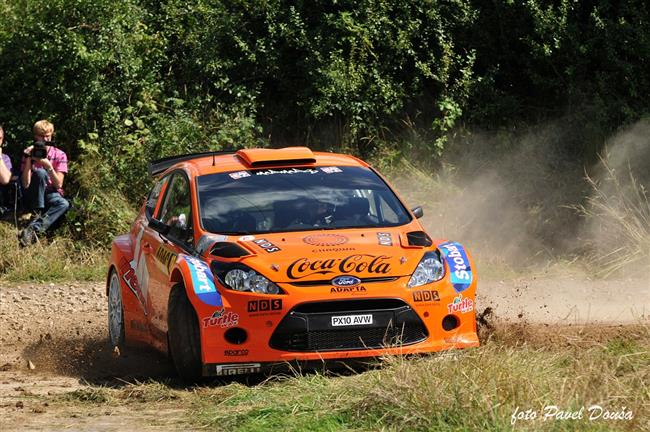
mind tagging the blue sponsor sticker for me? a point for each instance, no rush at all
(203, 281)
(459, 268)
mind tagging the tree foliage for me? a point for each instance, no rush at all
(127, 81)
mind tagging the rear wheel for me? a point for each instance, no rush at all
(184, 336)
(115, 311)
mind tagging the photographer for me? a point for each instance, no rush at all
(43, 169)
(5, 172)
(5, 162)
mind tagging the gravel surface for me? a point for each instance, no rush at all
(53, 340)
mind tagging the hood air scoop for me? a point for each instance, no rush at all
(228, 250)
(419, 238)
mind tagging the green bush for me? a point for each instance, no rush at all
(127, 81)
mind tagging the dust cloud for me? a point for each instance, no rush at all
(556, 237)
(526, 198)
(629, 151)
(617, 213)
(507, 196)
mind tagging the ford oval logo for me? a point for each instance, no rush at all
(346, 281)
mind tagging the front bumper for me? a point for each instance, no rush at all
(308, 327)
(297, 327)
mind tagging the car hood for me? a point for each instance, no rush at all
(323, 255)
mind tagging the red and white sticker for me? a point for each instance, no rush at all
(461, 305)
(222, 319)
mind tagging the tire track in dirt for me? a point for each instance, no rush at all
(53, 341)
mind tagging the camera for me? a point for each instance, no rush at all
(39, 151)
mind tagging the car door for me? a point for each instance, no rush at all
(143, 243)
(137, 275)
(175, 211)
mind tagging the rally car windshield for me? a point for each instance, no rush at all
(294, 199)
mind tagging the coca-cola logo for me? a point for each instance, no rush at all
(325, 239)
(358, 263)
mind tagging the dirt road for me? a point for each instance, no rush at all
(53, 341)
(568, 299)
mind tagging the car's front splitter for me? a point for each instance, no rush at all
(332, 361)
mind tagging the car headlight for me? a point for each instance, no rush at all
(430, 269)
(249, 280)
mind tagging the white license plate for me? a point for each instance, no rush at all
(351, 320)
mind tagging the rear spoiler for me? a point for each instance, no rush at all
(160, 165)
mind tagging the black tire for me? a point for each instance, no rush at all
(115, 311)
(184, 336)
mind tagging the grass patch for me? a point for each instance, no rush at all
(622, 347)
(92, 395)
(478, 389)
(484, 388)
(618, 212)
(146, 393)
(308, 402)
(58, 259)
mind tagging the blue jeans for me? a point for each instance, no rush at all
(38, 197)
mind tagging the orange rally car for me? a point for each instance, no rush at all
(240, 262)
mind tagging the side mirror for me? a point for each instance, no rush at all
(418, 212)
(158, 226)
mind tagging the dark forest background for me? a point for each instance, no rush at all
(128, 81)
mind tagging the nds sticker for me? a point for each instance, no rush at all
(459, 268)
(266, 245)
(203, 281)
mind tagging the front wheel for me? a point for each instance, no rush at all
(115, 311)
(184, 336)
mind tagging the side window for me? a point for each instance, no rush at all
(152, 200)
(177, 209)
(387, 212)
(380, 210)
(373, 211)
